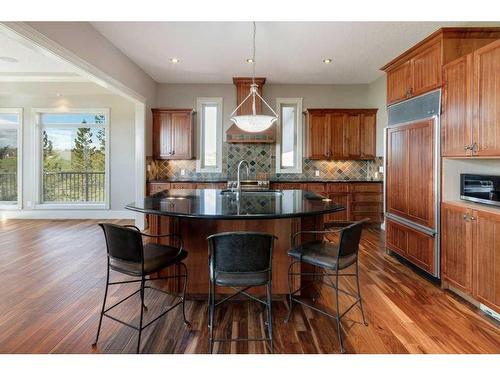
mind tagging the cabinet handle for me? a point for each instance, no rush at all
(472, 218)
(467, 147)
(475, 147)
(466, 217)
(173, 152)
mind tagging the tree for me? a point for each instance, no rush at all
(83, 151)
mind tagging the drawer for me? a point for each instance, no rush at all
(373, 216)
(367, 197)
(182, 185)
(337, 188)
(287, 186)
(367, 207)
(369, 187)
(207, 185)
(154, 188)
(316, 187)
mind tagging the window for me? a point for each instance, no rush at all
(209, 135)
(10, 152)
(74, 157)
(289, 145)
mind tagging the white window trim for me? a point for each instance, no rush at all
(38, 151)
(300, 135)
(199, 107)
(19, 205)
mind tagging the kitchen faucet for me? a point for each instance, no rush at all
(238, 185)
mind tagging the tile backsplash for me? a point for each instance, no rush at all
(262, 160)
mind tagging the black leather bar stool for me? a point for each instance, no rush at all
(127, 254)
(329, 257)
(240, 260)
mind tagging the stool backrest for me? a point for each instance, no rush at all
(349, 239)
(123, 243)
(240, 252)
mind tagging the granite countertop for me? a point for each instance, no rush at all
(223, 204)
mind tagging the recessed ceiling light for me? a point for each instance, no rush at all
(174, 60)
(58, 94)
(327, 61)
(250, 61)
(8, 59)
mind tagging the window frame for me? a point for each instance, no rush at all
(200, 102)
(38, 152)
(299, 132)
(11, 205)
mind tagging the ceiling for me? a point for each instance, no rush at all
(32, 63)
(287, 52)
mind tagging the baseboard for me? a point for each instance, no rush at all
(67, 214)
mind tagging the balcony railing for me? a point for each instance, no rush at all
(8, 187)
(60, 187)
(73, 186)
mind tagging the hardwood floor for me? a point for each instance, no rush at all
(52, 275)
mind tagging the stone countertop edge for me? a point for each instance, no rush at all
(277, 181)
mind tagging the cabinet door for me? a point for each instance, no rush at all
(456, 246)
(162, 135)
(426, 70)
(487, 258)
(368, 136)
(397, 170)
(399, 83)
(353, 132)
(456, 120)
(413, 245)
(337, 136)
(487, 100)
(318, 137)
(344, 200)
(182, 135)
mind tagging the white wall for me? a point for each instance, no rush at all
(315, 96)
(122, 132)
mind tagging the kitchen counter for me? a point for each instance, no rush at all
(196, 214)
(310, 180)
(224, 204)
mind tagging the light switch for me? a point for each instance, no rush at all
(183, 172)
(316, 173)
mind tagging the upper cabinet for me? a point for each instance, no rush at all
(418, 70)
(173, 133)
(471, 104)
(340, 134)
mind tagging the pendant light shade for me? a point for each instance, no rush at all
(253, 123)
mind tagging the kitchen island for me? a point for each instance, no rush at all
(199, 213)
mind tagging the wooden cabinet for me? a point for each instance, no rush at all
(470, 250)
(456, 246)
(418, 70)
(414, 245)
(410, 172)
(339, 134)
(361, 200)
(456, 119)
(318, 142)
(173, 133)
(486, 261)
(156, 187)
(486, 100)
(368, 136)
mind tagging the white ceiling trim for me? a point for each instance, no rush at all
(41, 77)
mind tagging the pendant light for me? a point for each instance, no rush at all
(253, 123)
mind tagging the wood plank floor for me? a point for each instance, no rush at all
(52, 276)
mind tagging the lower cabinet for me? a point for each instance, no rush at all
(470, 251)
(416, 246)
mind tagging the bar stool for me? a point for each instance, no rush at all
(329, 257)
(240, 260)
(127, 254)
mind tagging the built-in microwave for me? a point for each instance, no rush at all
(480, 188)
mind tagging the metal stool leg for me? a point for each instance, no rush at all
(142, 312)
(290, 300)
(103, 307)
(211, 313)
(339, 326)
(270, 316)
(186, 322)
(359, 294)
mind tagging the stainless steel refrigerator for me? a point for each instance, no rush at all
(412, 183)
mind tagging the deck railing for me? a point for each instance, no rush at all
(8, 187)
(73, 186)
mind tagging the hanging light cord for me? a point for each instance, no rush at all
(253, 56)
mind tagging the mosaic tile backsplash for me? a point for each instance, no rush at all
(262, 160)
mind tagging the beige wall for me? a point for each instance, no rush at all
(314, 96)
(122, 131)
